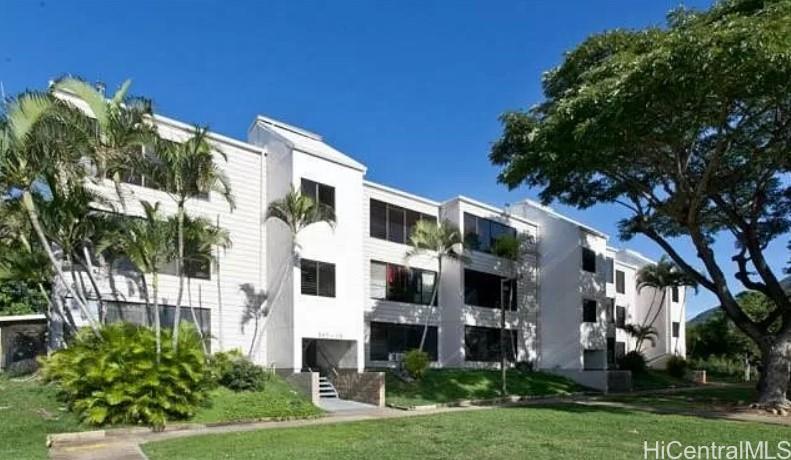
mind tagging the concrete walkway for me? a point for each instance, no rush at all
(127, 446)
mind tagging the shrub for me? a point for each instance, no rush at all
(719, 365)
(416, 362)
(633, 361)
(676, 366)
(116, 379)
(220, 363)
(240, 374)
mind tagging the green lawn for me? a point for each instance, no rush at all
(448, 385)
(28, 412)
(563, 431)
(652, 379)
(278, 400)
(699, 398)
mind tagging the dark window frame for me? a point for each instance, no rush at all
(317, 267)
(588, 260)
(320, 193)
(620, 281)
(674, 294)
(676, 326)
(620, 317)
(486, 232)
(590, 312)
(387, 338)
(408, 220)
(484, 297)
(410, 275)
(482, 344)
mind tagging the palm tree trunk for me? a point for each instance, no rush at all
(30, 209)
(180, 271)
(157, 324)
(434, 293)
(195, 317)
(85, 260)
(255, 334)
(219, 296)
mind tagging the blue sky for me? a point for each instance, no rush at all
(412, 89)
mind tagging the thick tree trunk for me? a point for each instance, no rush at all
(180, 271)
(775, 375)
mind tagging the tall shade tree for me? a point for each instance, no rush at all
(185, 171)
(38, 140)
(663, 276)
(148, 243)
(512, 248)
(687, 127)
(440, 241)
(297, 212)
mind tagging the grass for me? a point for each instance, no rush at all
(537, 432)
(29, 411)
(448, 385)
(277, 400)
(652, 379)
(701, 398)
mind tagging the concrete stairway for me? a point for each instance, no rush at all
(327, 389)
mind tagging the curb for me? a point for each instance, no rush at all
(489, 402)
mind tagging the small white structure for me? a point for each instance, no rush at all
(354, 300)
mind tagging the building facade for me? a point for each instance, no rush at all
(352, 296)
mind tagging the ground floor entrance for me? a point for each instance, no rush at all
(327, 356)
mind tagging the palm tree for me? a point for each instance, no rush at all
(512, 249)
(438, 240)
(200, 239)
(148, 243)
(297, 212)
(662, 276)
(38, 140)
(641, 333)
(185, 170)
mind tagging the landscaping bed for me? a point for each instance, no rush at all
(445, 386)
(30, 410)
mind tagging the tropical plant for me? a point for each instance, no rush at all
(512, 249)
(416, 362)
(641, 333)
(185, 171)
(663, 276)
(39, 146)
(114, 379)
(297, 212)
(633, 361)
(676, 366)
(440, 241)
(148, 243)
(687, 128)
(241, 374)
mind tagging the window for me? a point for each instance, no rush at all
(620, 317)
(388, 339)
(320, 193)
(588, 260)
(589, 311)
(610, 311)
(620, 282)
(481, 233)
(129, 176)
(483, 344)
(611, 352)
(400, 284)
(318, 278)
(137, 313)
(594, 359)
(675, 293)
(394, 223)
(676, 328)
(620, 350)
(487, 290)
(610, 269)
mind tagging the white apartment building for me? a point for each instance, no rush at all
(355, 300)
